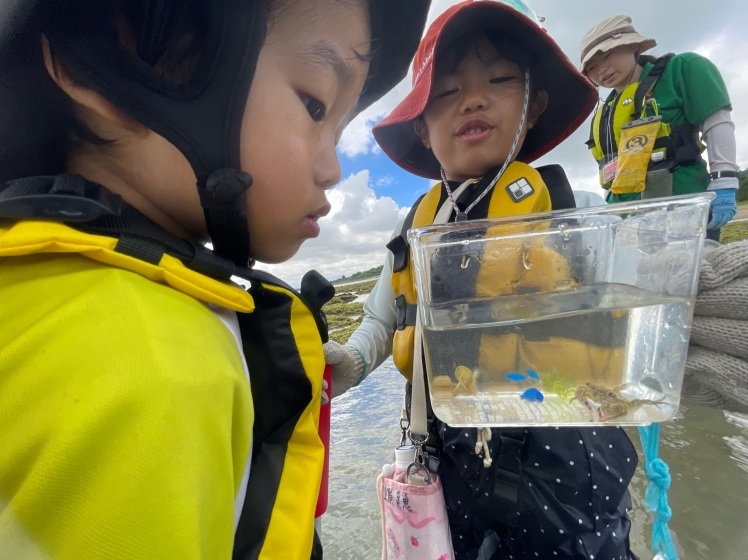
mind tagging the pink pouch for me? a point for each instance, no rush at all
(414, 516)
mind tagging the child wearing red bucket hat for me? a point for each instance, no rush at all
(491, 93)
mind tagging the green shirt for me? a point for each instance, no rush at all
(688, 91)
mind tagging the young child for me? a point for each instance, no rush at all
(491, 93)
(688, 94)
(150, 408)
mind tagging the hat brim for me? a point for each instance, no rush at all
(571, 97)
(396, 29)
(613, 42)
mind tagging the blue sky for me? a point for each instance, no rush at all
(386, 178)
(374, 194)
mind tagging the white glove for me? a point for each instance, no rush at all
(347, 367)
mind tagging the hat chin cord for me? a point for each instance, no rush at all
(462, 216)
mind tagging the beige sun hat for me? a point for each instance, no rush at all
(609, 34)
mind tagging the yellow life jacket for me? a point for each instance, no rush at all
(674, 145)
(568, 353)
(275, 420)
(607, 122)
(503, 200)
(618, 112)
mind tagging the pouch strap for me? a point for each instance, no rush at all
(418, 412)
(418, 423)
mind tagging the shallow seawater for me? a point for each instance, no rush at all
(706, 450)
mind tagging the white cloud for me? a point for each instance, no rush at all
(357, 138)
(730, 55)
(353, 235)
(385, 181)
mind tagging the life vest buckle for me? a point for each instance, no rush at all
(406, 313)
(66, 197)
(398, 246)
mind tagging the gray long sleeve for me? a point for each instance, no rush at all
(718, 131)
(373, 338)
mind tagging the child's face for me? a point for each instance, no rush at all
(473, 113)
(308, 80)
(614, 68)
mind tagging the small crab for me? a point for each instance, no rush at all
(465, 381)
(465, 385)
(608, 404)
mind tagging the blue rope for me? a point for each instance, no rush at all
(655, 496)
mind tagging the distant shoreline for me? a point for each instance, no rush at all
(352, 281)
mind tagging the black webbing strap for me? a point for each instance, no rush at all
(507, 468)
(143, 239)
(91, 208)
(398, 245)
(68, 198)
(141, 249)
(406, 313)
(646, 86)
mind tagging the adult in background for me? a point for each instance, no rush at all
(668, 110)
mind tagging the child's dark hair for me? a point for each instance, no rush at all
(452, 52)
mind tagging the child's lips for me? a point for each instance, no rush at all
(473, 129)
(311, 220)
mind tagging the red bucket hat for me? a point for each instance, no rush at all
(571, 96)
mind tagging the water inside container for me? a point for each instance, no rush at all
(595, 354)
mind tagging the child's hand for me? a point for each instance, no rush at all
(347, 367)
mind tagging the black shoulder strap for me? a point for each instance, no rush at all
(590, 143)
(399, 245)
(559, 188)
(650, 81)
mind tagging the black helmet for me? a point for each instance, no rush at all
(201, 117)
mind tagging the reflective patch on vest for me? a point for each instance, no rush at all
(520, 189)
(627, 101)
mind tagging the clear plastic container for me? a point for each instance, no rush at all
(572, 317)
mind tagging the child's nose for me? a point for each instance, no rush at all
(327, 171)
(474, 99)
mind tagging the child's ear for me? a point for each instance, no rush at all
(537, 108)
(423, 133)
(85, 97)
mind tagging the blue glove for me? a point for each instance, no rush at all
(723, 208)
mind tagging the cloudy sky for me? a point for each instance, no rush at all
(374, 193)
